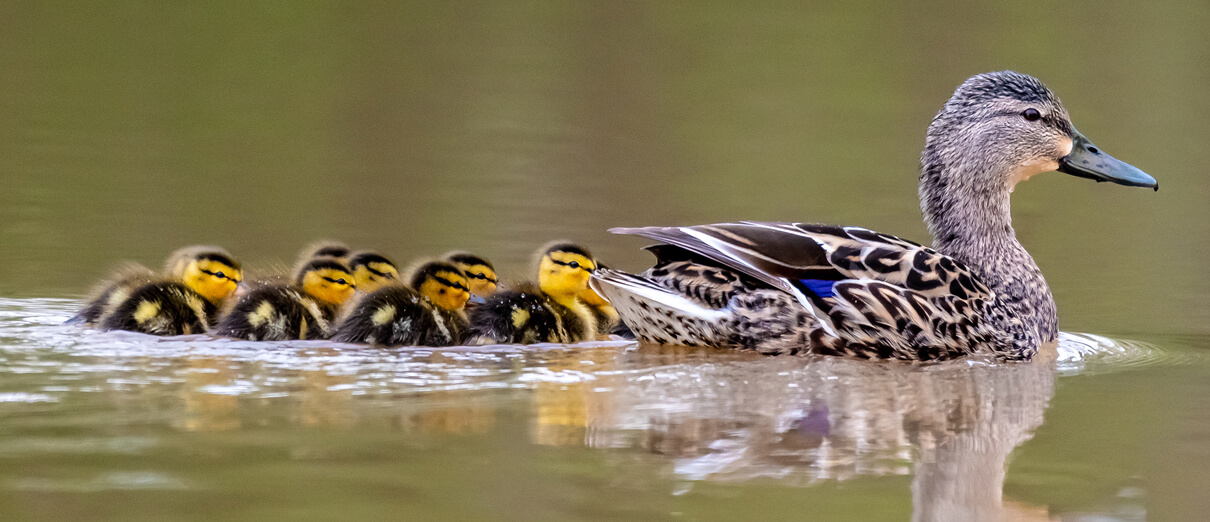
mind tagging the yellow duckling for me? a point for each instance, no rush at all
(373, 271)
(303, 310)
(430, 313)
(551, 312)
(200, 279)
(480, 273)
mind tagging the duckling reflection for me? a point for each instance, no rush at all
(804, 420)
(205, 410)
(566, 412)
(325, 398)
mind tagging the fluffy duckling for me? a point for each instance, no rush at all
(303, 310)
(479, 272)
(372, 271)
(280, 275)
(430, 313)
(550, 312)
(111, 292)
(200, 279)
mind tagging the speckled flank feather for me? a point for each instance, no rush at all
(164, 308)
(891, 298)
(786, 288)
(275, 313)
(399, 316)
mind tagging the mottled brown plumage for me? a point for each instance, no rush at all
(795, 288)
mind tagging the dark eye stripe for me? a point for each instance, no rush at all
(578, 265)
(377, 273)
(481, 276)
(451, 284)
(216, 274)
(340, 281)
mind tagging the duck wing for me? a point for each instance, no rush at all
(798, 258)
(875, 295)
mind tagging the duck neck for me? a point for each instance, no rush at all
(966, 206)
(970, 219)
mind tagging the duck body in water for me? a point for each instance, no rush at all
(786, 288)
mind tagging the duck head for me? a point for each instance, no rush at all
(479, 273)
(327, 280)
(443, 284)
(208, 270)
(997, 130)
(372, 271)
(564, 269)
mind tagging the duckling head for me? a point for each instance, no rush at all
(564, 269)
(372, 271)
(443, 284)
(328, 281)
(209, 271)
(479, 272)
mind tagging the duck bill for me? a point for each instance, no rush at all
(1087, 161)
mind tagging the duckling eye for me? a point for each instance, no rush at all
(341, 281)
(1031, 114)
(220, 275)
(574, 264)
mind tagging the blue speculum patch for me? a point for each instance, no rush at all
(820, 287)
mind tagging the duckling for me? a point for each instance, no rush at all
(303, 310)
(430, 313)
(111, 292)
(200, 280)
(278, 274)
(550, 312)
(372, 271)
(480, 273)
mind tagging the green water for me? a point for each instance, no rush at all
(128, 129)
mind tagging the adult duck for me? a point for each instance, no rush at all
(786, 288)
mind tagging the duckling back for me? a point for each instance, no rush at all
(525, 316)
(112, 292)
(274, 313)
(400, 316)
(162, 308)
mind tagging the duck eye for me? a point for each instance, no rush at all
(341, 281)
(1032, 114)
(220, 275)
(574, 264)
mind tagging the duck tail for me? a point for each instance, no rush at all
(659, 314)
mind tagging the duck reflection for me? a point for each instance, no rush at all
(803, 420)
(208, 404)
(576, 399)
(326, 396)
